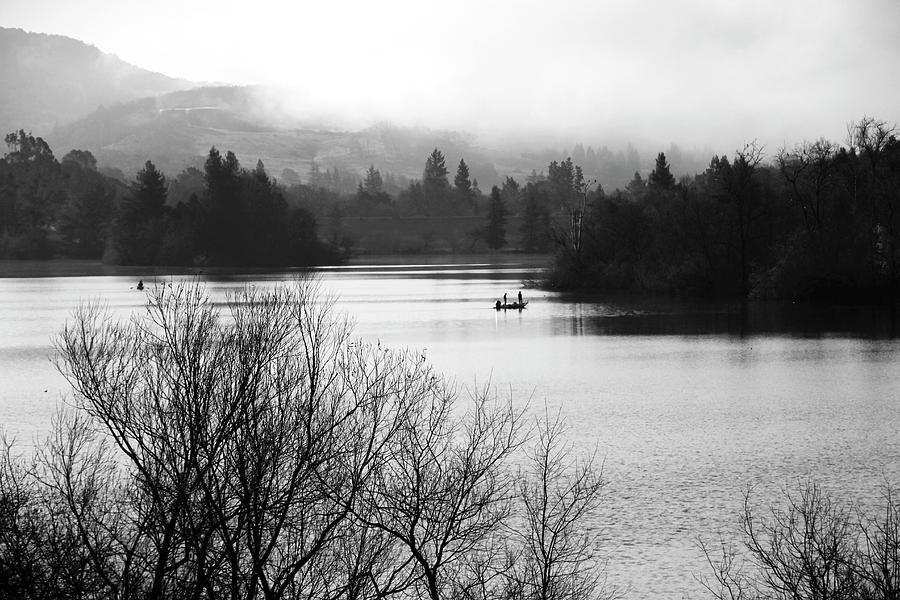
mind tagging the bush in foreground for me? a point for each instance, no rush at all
(811, 547)
(260, 451)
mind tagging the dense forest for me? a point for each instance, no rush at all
(817, 221)
(225, 215)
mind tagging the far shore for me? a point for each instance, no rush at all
(66, 267)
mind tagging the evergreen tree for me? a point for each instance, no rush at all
(263, 234)
(141, 224)
(435, 175)
(373, 183)
(535, 219)
(661, 177)
(636, 186)
(222, 228)
(566, 182)
(150, 191)
(496, 227)
(510, 194)
(463, 186)
(435, 185)
(578, 153)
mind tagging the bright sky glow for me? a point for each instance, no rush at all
(710, 73)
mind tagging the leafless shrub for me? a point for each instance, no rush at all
(256, 450)
(558, 496)
(811, 548)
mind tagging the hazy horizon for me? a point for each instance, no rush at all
(702, 75)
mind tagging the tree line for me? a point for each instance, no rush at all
(820, 222)
(537, 203)
(224, 215)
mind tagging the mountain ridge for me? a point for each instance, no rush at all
(52, 80)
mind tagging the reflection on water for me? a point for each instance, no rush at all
(741, 319)
(688, 402)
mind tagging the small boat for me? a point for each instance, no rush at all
(510, 306)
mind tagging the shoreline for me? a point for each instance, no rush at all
(68, 267)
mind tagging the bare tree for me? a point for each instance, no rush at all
(875, 142)
(880, 553)
(809, 169)
(256, 450)
(806, 550)
(739, 187)
(41, 550)
(244, 443)
(558, 534)
(445, 486)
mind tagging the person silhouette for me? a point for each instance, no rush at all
(504, 297)
(140, 284)
(520, 296)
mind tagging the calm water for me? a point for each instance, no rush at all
(687, 403)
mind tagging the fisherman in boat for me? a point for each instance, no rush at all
(497, 305)
(140, 284)
(520, 297)
(504, 298)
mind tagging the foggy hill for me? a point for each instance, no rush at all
(176, 130)
(76, 96)
(51, 80)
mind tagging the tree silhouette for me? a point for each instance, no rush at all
(462, 185)
(495, 234)
(661, 177)
(140, 226)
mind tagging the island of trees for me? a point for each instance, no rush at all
(817, 221)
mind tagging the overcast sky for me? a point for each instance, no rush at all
(712, 73)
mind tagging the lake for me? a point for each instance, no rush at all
(687, 403)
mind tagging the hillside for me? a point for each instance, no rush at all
(76, 96)
(52, 80)
(177, 130)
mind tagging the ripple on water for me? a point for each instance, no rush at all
(686, 404)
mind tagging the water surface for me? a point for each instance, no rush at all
(687, 403)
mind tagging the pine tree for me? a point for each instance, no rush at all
(435, 186)
(535, 219)
(463, 187)
(661, 177)
(140, 225)
(223, 224)
(150, 190)
(496, 227)
(435, 175)
(373, 183)
(636, 186)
